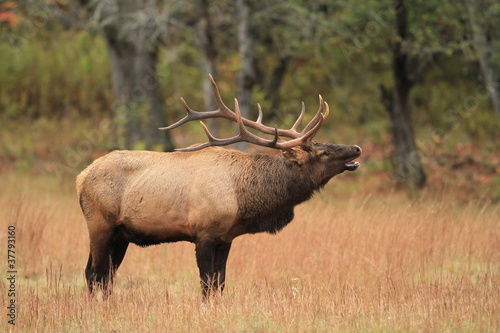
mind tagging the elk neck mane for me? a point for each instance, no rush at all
(268, 187)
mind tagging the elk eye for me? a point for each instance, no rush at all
(323, 153)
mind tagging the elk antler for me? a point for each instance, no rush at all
(302, 138)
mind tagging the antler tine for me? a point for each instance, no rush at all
(261, 115)
(222, 107)
(307, 137)
(191, 115)
(320, 123)
(327, 112)
(317, 117)
(221, 112)
(299, 119)
(239, 118)
(259, 121)
(203, 145)
(246, 135)
(212, 141)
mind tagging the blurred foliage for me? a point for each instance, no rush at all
(67, 73)
(339, 49)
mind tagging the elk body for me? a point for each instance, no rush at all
(205, 194)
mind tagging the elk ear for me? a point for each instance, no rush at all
(296, 155)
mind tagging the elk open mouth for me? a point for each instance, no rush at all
(351, 165)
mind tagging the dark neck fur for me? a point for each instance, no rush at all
(267, 189)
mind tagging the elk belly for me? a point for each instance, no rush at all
(148, 221)
(155, 210)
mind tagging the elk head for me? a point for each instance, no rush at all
(301, 151)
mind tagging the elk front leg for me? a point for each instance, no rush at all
(211, 258)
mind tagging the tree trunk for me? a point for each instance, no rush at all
(209, 56)
(274, 86)
(406, 159)
(483, 54)
(138, 109)
(246, 75)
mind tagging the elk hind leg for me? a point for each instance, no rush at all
(107, 249)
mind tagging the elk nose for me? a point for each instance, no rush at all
(357, 149)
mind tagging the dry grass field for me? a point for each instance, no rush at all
(356, 262)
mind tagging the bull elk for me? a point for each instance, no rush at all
(203, 194)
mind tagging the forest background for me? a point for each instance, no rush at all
(417, 88)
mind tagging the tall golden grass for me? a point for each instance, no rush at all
(357, 263)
